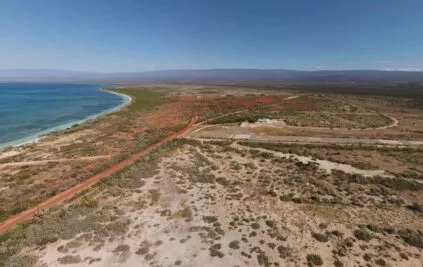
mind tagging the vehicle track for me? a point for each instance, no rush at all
(29, 213)
(46, 161)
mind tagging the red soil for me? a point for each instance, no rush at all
(305, 106)
(166, 115)
(268, 99)
(29, 213)
(260, 100)
(90, 166)
(63, 181)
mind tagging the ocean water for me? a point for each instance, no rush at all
(30, 109)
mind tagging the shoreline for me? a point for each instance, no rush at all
(127, 100)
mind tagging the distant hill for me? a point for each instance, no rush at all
(45, 75)
(216, 76)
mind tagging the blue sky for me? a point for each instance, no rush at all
(138, 35)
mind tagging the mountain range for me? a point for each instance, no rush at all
(215, 76)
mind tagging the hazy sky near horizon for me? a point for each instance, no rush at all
(131, 35)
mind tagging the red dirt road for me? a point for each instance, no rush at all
(29, 213)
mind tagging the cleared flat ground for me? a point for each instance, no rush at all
(244, 133)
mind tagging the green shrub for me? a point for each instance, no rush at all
(320, 237)
(414, 238)
(362, 235)
(314, 259)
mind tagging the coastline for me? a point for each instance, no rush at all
(127, 100)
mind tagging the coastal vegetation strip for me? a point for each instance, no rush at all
(197, 183)
(119, 134)
(119, 165)
(143, 98)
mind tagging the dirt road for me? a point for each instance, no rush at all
(41, 162)
(29, 213)
(394, 123)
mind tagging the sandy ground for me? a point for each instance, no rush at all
(178, 219)
(42, 162)
(326, 165)
(58, 198)
(7, 154)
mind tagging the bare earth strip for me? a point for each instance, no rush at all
(29, 213)
(42, 162)
(394, 123)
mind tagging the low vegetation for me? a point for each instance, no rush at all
(217, 202)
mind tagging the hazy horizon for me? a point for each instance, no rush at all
(207, 69)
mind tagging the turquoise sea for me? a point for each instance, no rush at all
(30, 109)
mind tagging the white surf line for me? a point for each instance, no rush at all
(127, 98)
(35, 138)
(323, 164)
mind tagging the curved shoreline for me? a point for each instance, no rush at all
(127, 100)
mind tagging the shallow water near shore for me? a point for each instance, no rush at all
(28, 110)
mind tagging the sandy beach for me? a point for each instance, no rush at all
(37, 137)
